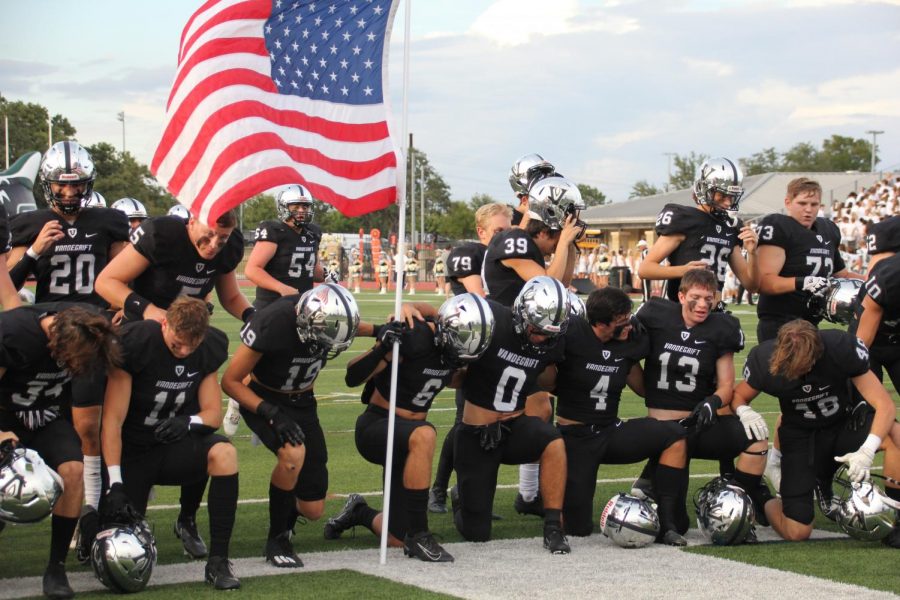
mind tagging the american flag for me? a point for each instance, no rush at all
(275, 92)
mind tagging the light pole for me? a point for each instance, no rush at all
(874, 135)
(121, 117)
(669, 156)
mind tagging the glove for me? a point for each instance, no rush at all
(287, 429)
(332, 276)
(754, 425)
(390, 333)
(172, 429)
(117, 507)
(858, 414)
(858, 463)
(704, 414)
(817, 286)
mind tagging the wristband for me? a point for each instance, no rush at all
(872, 443)
(718, 400)
(248, 314)
(196, 421)
(114, 472)
(30, 253)
(135, 305)
(798, 283)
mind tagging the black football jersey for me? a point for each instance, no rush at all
(294, 262)
(883, 286)
(680, 369)
(883, 236)
(508, 370)
(67, 270)
(502, 283)
(421, 374)
(591, 377)
(162, 385)
(286, 364)
(808, 252)
(463, 261)
(822, 396)
(705, 238)
(5, 234)
(33, 381)
(176, 269)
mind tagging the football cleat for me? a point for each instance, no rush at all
(232, 418)
(893, 538)
(55, 583)
(335, 526)
(425, 548)
(88, 527)
(220, 574)
(534, 507)
(186, 531)
(555, 540)
(643, 489)
(671, 538)
(437, 501)
(280, 552)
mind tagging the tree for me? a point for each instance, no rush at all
(685, 170)
(457, 222)
(643, 188)
(479, 200)
(591, 195)
(800, 157)
(764, 161)
(28, 127)
(842, 153)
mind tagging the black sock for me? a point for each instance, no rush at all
(757, 490)
(223, 496)
(670, 483)
(726, 467)
(191, 496)
(445, 462)
(647, 472)
(281, 508)
(61, 531)
(365, 515)
(552, 517)
(416, 510)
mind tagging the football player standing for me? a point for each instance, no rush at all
(66, 246)
(162, 408)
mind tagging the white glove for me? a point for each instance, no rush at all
(858, 463)
(332, 276)
(817, 286)
(754, 425)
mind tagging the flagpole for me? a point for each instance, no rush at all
(399, 268)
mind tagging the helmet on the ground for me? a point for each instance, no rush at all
(863, 510)
(132, 208)
(719, 175)
(724, 512)
(629, 521)
(180, 211)
(553, 199)
(29, 489)
(67, 163)
(465, 325)
(542, 307)
(527, 170)
(123, 557)
(289, 196)
(327, 317)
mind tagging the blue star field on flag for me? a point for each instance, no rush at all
(329, 50)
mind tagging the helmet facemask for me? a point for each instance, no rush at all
(327, 320)
(287, 205)
(463, 330)
(723, 176)
(67, 163)
(542, 308)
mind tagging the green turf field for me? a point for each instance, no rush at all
(24, 548)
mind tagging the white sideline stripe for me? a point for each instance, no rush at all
(482, 570)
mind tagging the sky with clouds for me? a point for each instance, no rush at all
(602, 88)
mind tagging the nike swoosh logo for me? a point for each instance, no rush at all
(192, 374)
(618, 360)
(828, 242)
(824, 387)
(210, 271)
(90, 235)
(698, 342)
(429, 554)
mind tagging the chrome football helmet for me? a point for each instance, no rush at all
(67, 163)
(863, 510)
(465, 325)
(527, 170)
(29, 489)
(328, 318)
(123, 557)
(841, 300)
(291, 195)
(576, 306)
(629, 521)
(95, 200)
(724, 512)
(553, 199)
(132, 208)
(180, 211)
(719, 175)
(541, 307)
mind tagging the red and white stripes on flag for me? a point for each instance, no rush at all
(274, 92)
